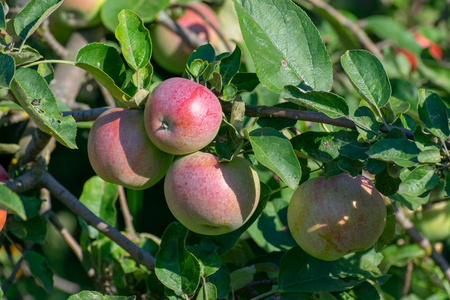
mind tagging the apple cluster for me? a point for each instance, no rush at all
(136, 149)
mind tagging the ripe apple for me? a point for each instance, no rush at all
(121, 152)
(411, 57)
(433, 48)
(170, 51)
(211, 197)
(182, 116)
(80, 13)
(434, 222)
(3, 213)
(330, 218)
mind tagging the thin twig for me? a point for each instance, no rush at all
(86, 115)
(408, 276)
(71, 202)
(127, 217)
(422, 241)
(45, 33)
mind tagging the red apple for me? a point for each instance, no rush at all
(3, 213)
(121, 152)
(3, 174)
(426, 43)
(211, 197)
(169, 50)
(330, 218)
(80, 13)
(182, 116)
(411, 57)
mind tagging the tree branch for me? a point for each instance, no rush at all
(70, 201)
(422, 241)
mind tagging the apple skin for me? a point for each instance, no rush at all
(435, 222)
(80, 13)
(170, 51)
(120, 151)
(3, 213)
(330, 218)
(182, 116)
(211, 197)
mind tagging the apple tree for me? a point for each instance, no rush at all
(224, 149)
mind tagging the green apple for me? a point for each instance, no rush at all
(80, 13)
(332, 217)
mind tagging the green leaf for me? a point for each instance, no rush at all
(27, 55)
(147, 10)
(7, 70)
(104, 64)
(241, 277)
(221, 280)
(419, 181)
(385, 183)
(207, 292)
(229, 66)
(2, 21)
(206, 254)
(204, 52)
(99, 197)
(245, 82)
(176, 267)
(32, 16)
(402, 152)
(433, 113)
(273, 150)
(32, 230)
(11, 202)
(430, 156)
(284, 44)
(134, 39)
(366, 123)
(93, 295)
(330, 104)
(38, 101)
(40, 269)
(228, 142)
(300, 272)
(320, 146)
(368, 76)
(269, 231)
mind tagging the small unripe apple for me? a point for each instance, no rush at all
(332, 217)
(3, 213)
(80, 13)
(121, 152)
(170, 51)
(211, 197)
(182, 116)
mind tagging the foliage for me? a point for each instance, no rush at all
(301, 98)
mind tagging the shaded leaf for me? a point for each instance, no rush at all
(7, 70)
(433, 113)
(40, 269)
(176, 267)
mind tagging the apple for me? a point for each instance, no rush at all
(425, 43)
(120, 151)
(80, 13)
(170, 51)
(332, 217)
(211, 197)
(434, 222)
(3, 213)
(411, 57)
(182, 116)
